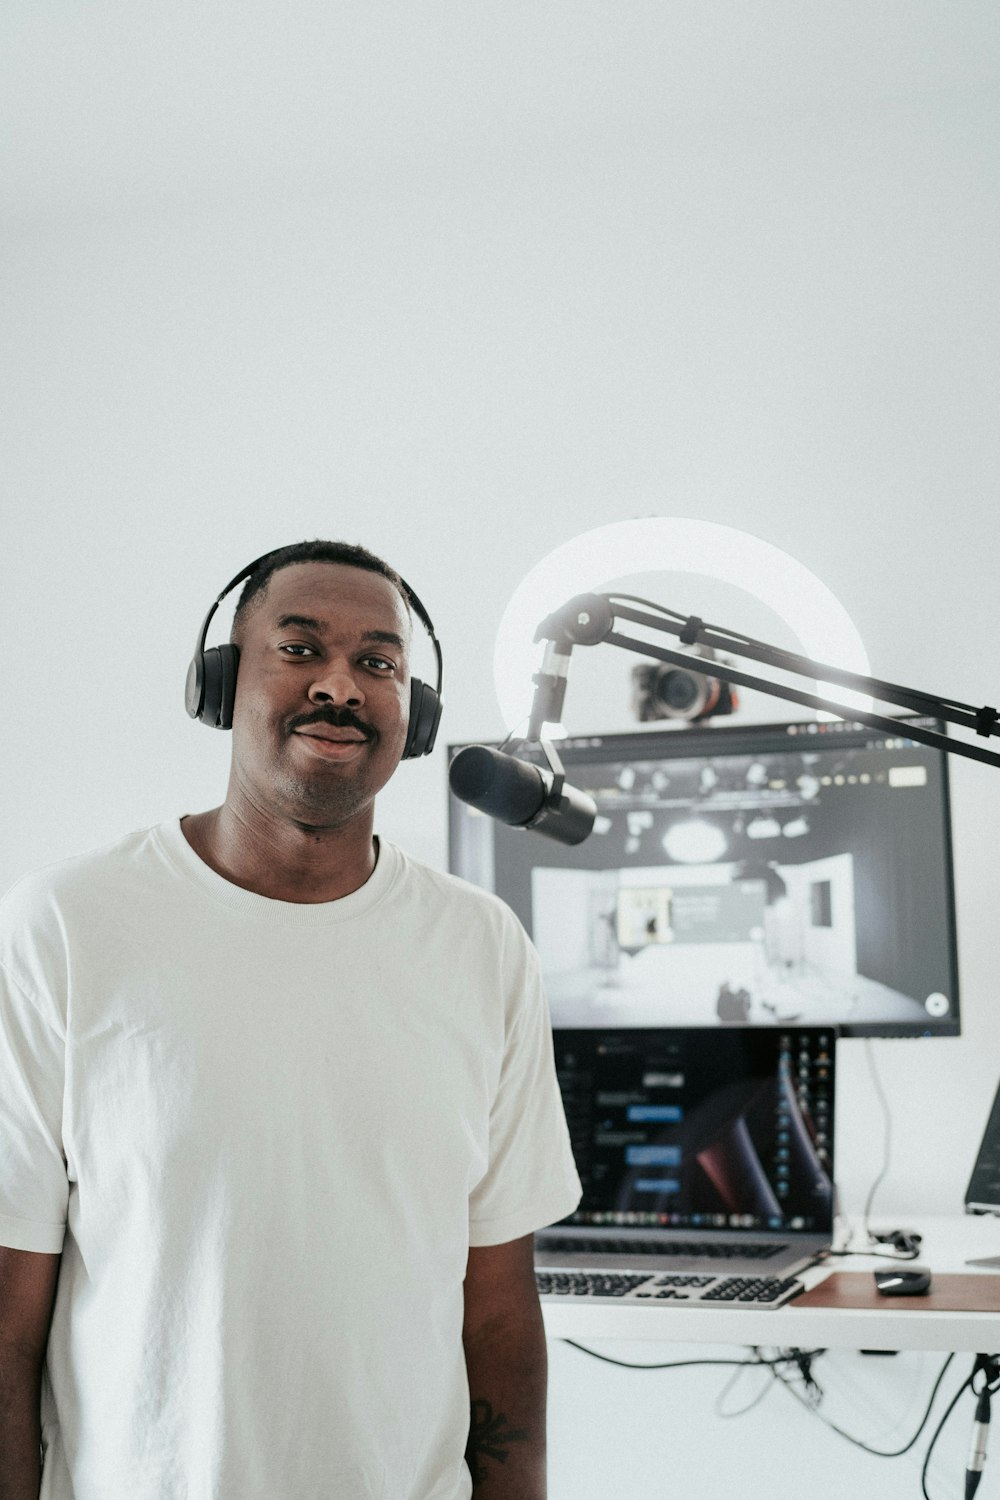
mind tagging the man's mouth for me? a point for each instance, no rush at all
(332, 743)
(334, 736)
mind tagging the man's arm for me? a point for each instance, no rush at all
(27, 1293)
(504, 1341)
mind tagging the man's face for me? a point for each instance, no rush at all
(322, 693)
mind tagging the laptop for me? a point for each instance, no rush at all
(702, 1150)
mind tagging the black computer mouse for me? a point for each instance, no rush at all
(915, 1281)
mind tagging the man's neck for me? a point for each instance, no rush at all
(282, 860)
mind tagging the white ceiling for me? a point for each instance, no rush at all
(105, 106)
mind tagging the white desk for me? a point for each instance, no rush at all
(902, 1324)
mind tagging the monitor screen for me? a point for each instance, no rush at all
(687, 1128)
(764, 875)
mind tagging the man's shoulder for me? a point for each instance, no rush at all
(75, 905)
(86, 872)
(451, 893)
(467, 926)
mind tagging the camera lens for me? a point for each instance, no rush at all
(678, 690)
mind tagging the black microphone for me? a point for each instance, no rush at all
(515, 792)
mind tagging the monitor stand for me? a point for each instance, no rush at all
(988, 1262)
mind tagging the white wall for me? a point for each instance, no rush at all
(459, 283)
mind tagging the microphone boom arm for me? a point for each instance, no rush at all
(589, 619)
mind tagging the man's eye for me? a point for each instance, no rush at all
(382, 663)
(294, 646)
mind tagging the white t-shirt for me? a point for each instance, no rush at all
(263, 1134)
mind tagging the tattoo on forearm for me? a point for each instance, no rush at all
(490, 1436)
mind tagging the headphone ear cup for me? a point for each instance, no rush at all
(220, 664)
(434, 706)
(229, 660)
(211, 692)
(425, 715)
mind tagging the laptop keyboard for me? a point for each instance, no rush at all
(710, 1249)
(709, 1291)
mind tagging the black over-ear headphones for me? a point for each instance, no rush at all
(210, 691)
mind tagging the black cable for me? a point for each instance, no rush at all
(649, 604)
(879, 1254)
(732, 637)
(682, 1364)
(802, 1358)
(899, 1238)
(802, 1361)
(823, 1256)
(512, 735)
(987, 1365)
(965, 1386)
(765, 1390)
(887, 1148)
(799, 1357)
(875, 1452)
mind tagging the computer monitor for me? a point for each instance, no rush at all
(760, 875)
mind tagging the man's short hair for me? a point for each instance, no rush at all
(315, 551)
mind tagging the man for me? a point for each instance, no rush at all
(278, 1113)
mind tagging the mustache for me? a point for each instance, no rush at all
(342, 718)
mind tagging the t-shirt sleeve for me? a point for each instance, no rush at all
(531, 1180)
(34, 1186)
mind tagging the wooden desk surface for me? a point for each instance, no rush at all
(948, 1292)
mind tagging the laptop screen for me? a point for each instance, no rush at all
(704, 1127)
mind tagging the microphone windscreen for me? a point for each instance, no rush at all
(508, 789)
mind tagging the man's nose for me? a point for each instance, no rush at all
(337, 684)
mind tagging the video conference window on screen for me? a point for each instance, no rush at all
(764, 875)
